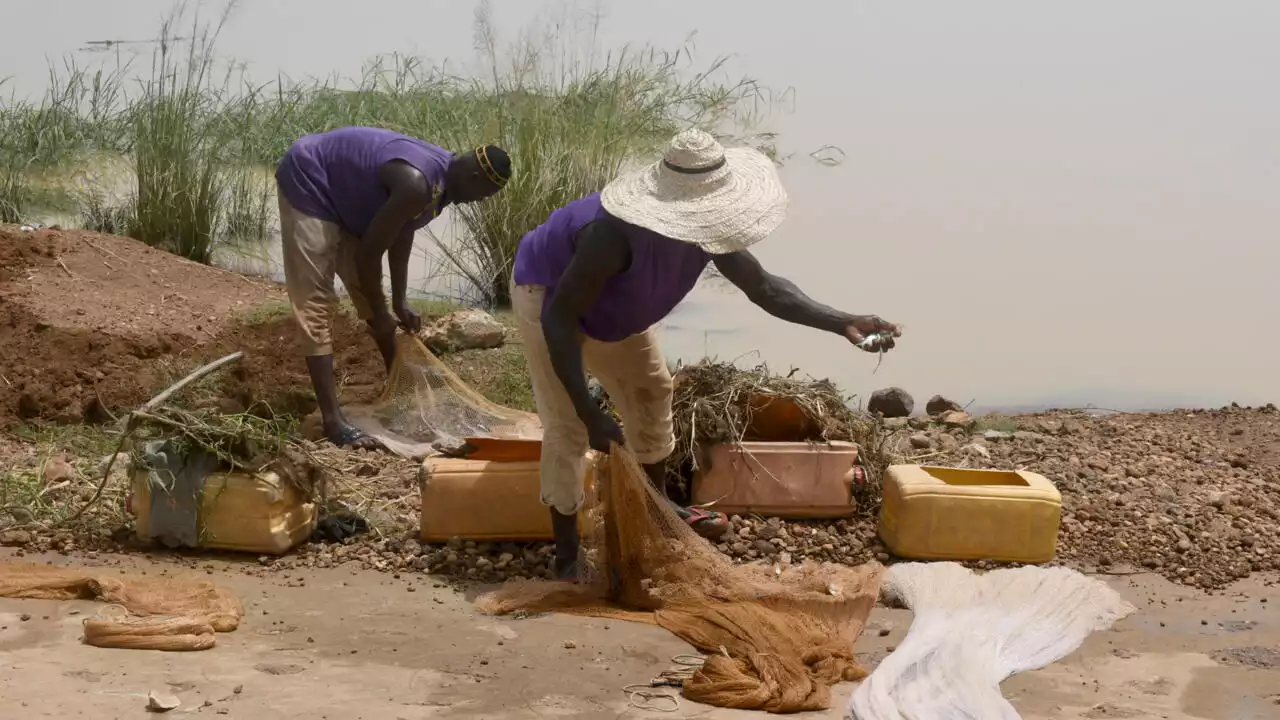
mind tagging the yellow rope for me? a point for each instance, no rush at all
(495, 177)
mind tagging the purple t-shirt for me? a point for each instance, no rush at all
(334, 175)
(661, 274)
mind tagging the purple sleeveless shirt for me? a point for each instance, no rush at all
(661, 274)
(334, 175)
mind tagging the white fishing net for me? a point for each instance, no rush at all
(972, 631)
(426, 407)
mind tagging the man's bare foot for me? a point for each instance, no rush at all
(348, 435)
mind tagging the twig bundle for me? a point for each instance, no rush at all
(244, 442)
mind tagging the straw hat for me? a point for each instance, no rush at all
(720, 200)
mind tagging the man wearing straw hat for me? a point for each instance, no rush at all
(347, 198)
(590, 284)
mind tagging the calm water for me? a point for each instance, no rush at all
(1064, 203)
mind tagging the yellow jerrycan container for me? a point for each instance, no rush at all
(940, 513)
(258, 513)
(484, 500)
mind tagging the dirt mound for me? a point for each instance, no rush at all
(76, 279)
(92, 325)
(273, 373)
(92, 322)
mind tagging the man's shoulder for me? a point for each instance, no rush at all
(430, 160)
(605, 242)
(394, 138)
(606, 228)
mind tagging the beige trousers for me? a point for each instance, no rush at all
(314, 251)
(633, 371)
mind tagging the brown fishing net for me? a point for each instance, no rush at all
(425, 407)
(777, 638)
(115, 628)
(145, 613)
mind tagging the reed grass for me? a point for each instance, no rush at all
(14, 188)
(179, 155)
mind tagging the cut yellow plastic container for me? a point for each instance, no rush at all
(239, 511)
(937, 513)
(485, 500)
(779, 479)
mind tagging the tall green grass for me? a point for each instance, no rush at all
(202, 139)
(13, 187)
(179, 154)
(572, 124)
(79, 111)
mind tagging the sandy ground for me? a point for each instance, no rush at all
(345, 645)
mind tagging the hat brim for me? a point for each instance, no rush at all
(738, 212)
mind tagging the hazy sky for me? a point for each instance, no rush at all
(1063, 202)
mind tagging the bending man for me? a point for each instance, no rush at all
(592, 281)
(348, 197)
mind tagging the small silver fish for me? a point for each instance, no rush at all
(876, 343)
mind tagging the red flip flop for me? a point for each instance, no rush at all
(700, 520)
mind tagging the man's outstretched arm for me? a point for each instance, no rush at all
(782, 299)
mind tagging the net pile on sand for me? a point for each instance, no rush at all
(426, 407)
(776, 638)
(145, 613)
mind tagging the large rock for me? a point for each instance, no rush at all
(891, 403)
(938, 405)
(464, 330)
